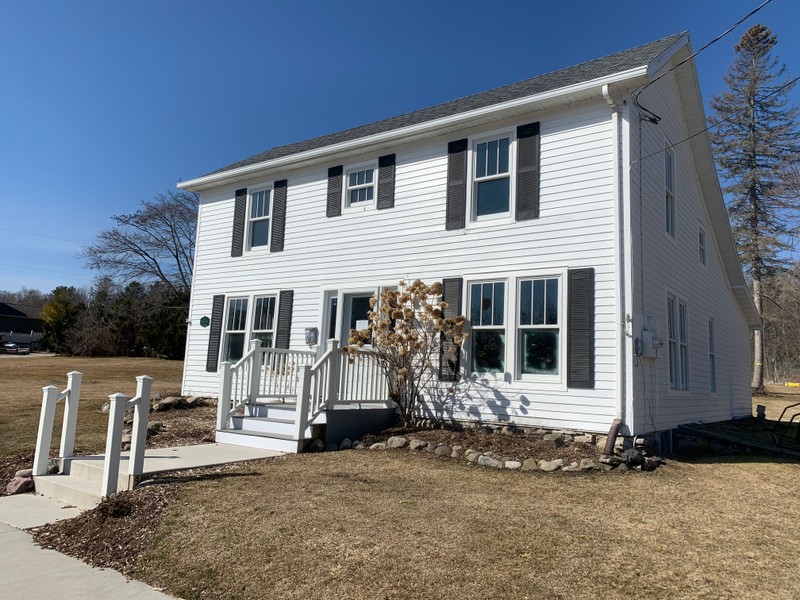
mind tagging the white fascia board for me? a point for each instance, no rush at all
(594, 85)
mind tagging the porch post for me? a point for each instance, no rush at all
(255, 371)
(334, 371)
(224, 397)
(45, 435)
(70, 414)
(303, 397)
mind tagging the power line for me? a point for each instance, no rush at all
(653, 117)
(717, 123)
(41, 235)
(40, 269)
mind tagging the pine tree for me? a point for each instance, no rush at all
(755, 139)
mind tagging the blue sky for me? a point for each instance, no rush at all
(103, 104)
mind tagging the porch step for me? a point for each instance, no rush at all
(277, 425)
(281, 410)
(258, 439)
(69, 489)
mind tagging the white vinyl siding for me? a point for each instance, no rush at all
(365, 249)
(669, 191)
(712, 356)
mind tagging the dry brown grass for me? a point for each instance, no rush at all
(779, 398)
(365, 524)
(22, 379)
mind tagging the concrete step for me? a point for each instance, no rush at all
(90, 469)
(267, 425)
(257, 439)
(68, 489)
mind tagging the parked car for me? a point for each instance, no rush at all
(14, 348)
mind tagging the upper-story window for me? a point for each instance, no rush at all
(360, 186)
(669, 191)
(701, 245)
(492, 178)
(258, 228)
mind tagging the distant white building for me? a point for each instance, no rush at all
(588, 248)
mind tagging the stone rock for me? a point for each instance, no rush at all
(53, 466)
(127, 437)
(430, 447)
(359, 445)
(633, 457)
(195, 401)
(508, 430)
(505, 459)
(20, 485)
(585, 438)
(605, 466)
(397, 441)
(443, 450)
(317, 445)
(167, 403)
(489, 453)
(549, 466)
(600, 441)
(512, 464)
(378, 446)
(554, 439)
(650, 463)
(346, 444)
(27, 473)
(623, 467)
(154, 427)
(587, 464)
(488, 461)
(530, 465)
(456, 453)
(610, 460)
(417, 444)
(106, 407)
(567, 437)
(473, 456)
(570, 468)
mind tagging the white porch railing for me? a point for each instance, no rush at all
(362, 379)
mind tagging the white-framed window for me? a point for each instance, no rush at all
(539, 326)
(487, 300)
(491, 176)
(359, 185)
(669, 191)
(678, 350)
(248, 318)
(701, 245)
(264, 320)
(258, 229)
(235, 329)
(712, 355)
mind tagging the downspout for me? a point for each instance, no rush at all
(621, 262)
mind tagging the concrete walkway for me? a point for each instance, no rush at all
(34, 573)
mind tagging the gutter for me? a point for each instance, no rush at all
(429, 127)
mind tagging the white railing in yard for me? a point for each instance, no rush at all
(118, 404)
(50, 397)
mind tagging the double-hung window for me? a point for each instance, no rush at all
(487, 315)
(235, 329)
(669, 191)
(678, 334)
(491, 192)
(360, 186)
(264, 320)
(259, 218)
(539, 327)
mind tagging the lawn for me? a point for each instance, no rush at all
(392, 524)
(22, 379)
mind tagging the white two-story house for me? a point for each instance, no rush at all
(584, 239)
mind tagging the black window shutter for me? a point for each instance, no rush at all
(284, 330)
(215, 333)
(386, 181)
(239, 217)
(450, 353)
(580, 329)
(456, 185)
(278, 215)
(528, 171)
(335, 191)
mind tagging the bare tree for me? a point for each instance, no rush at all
(154, 244)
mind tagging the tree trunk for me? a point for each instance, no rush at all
(758, 342)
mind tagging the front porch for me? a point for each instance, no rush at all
(278, 399)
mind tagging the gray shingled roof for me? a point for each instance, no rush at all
(593, 69)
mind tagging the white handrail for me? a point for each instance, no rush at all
(50, 397)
